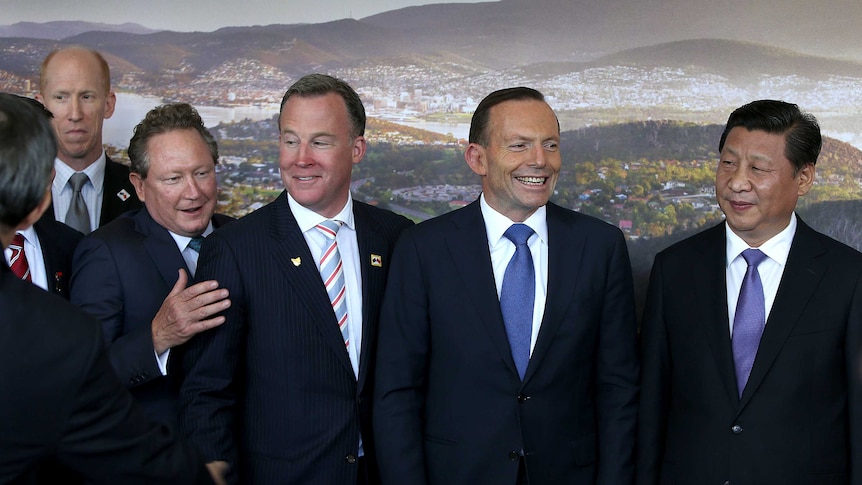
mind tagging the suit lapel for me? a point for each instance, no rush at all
(161, 247)
(372, 247)
(710, 300)
(53, 265)
(802, 274)
(468, 247)
(118, 195)
(292, 255)
(564, 267)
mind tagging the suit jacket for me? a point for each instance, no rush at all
(122, 274)
(799, 420)
(58, 243)
(118, 194)
(272, 390)
(61, 399)
(450, 407)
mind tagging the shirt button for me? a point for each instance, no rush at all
(736, 429)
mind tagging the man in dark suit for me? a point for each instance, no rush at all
(75, 85)
(752, 331)
(61, 399)
(507, 360)
(132, 273)
(281, 392)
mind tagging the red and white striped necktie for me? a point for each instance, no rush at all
(18, 261)
(332, 273)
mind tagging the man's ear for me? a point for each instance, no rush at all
(476, 158)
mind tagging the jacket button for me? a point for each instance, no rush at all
(350, 459)
(736, 429)
(513, 455)
(523, 397)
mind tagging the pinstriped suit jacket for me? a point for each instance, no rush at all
(272, 390)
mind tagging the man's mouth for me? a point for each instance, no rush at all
(537, 181)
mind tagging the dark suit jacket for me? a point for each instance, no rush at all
(799, 420)
(272, 390)
(58, 243)
(114, 201)
(122, 274)
(450, 408)
(62, 400)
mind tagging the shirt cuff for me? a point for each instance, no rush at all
(162, 360)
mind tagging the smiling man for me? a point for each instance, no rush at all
(132, 274)
(507, 348)
(281, 393)
(752, 332)
(75, 86)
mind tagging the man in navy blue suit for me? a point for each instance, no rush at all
(61, 399)
(281, 392)
(133, 273)
(480, 383)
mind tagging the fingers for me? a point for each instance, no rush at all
(181, 283)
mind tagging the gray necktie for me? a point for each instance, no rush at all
(78, 217)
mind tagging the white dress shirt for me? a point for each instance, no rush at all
(502, 250)
(777, 248)
(35, 259)
(92, 192)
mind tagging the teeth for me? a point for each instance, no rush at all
(531, 180)
(305, 179)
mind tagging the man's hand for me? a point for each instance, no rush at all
(218, 469)
(187, 311)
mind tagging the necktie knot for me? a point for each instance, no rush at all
(18, 261)
(195, 243)
(78, 180)
(519, 234)
(329, 228)
(753, 257)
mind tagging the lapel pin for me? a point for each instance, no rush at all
(296, 261)
(123, 195)
(376, 260)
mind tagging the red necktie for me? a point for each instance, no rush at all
(18, 261)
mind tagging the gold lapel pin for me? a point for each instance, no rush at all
(296, 261)
(376, 260)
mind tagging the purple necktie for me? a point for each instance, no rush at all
(749, 320)
(517, 296)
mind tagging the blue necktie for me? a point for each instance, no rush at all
(518, 296)
(749, 320)
(196, 243)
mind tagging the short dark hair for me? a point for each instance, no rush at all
(801, 130)
(479, 122)
(164, 119)
(322, 84)
(27, 151)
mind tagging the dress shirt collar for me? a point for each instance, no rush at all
(29, 234)
(95, 171)
(496, 224)
(183, 241)
(307, 218)
(777, 248)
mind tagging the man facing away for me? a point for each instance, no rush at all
(89, 189)
(281, 392)
(507, 348)
(752, 331)
(133, 273)
(61, 399)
